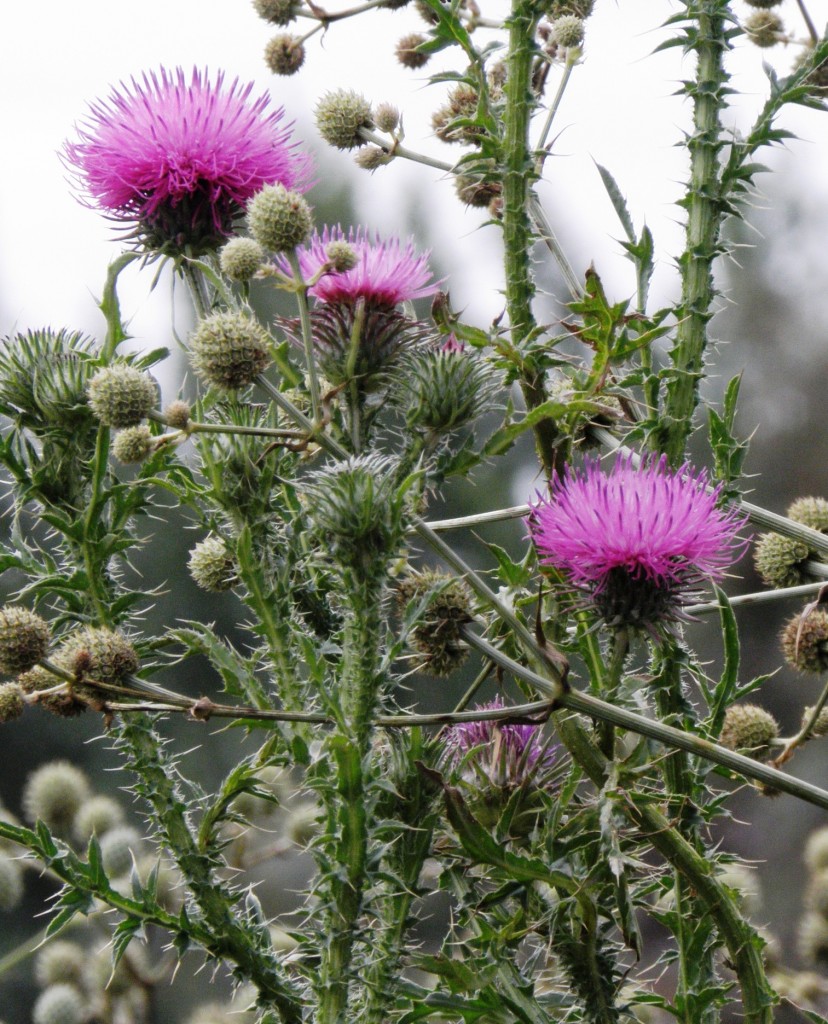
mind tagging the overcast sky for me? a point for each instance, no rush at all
(620, 110)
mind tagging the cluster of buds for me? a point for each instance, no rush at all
(780, 560)
(122, 396)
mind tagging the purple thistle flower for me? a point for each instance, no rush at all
(385, 273)
(178, 161)
(636, 539)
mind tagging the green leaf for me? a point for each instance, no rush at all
(110, 307)
(503, 439)
(619, 204)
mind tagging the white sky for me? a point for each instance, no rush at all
(619, 110)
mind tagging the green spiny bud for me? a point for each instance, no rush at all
(285, 54)
(229, 350)
(59, 1004)
(53, 794)
(408, 53)
(805, 642)
(568, 31)
(11, 883)
(24, 639)
(133, 444)
(96, 817)
(277, 12)
(820, 726)
(444, 389)
(102, 655)
(371, 157)
(12, 704)
(445, 605)
(764, 28)
(386, 117)
(212, 566)
(60, 963)
(341, 255)
(240, 258)
(117, 846)
(278, 219)
(357, 512)
(779, 560)
(816, 850)
(339, 117)
(748, 727)
(122, 395)
(177, 415)
(812, 512)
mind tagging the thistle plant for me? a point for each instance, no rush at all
(566, 786)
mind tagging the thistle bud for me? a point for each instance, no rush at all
(96, 817)
(339, 117)
(812, 512)
(59, 1004)
(24, 639)
(285, 54)
(812, 938)
(11, 883)
(122, 395)
(279, 219)
(117, 847)
(764, 28)
(229, 350)
(53, 794)
(386, 117)
(212, 566)
(436, 634)
(779, 560)
(12, 704)
(177, 415)
(133, 444)
(372, 157)
(277, 12)
(408, 53)
(60, 962)
(341, 255)
(748, 727)
(476, 191)
(805, 642)
(103, 655)
(568, 31)
(241, 258)
(820, 726)
(444, 389)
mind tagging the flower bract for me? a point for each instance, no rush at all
(636, 539)
(176, 159)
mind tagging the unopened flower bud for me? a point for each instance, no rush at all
(133, 444)
(475, 191)
(436, 635)
(339, 117)
(820, 726)
(805, 642)
(408, 53)
(240, 258)
(812, 512)
(372, 157)
(279, 219)
(59, 1004)
(53, 794)
(212, 566)
(117, 846)
(779, 560)
(60, 962)
(812, 938)
(816, 850)
(748, 727)
(122, 395)
(443, 390)
(764, 28)
(24, 639)
(277, 12)
(12, 704)
(341, 255)
(285, 54)
(96, 817)
(177, 415)
(229, 350)
(386, 117)
(568, 31)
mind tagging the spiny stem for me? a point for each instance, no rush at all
(301, 291)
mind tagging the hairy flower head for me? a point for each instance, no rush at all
(176, 160)
(635, 538)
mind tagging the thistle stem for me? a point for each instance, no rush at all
(301, 291)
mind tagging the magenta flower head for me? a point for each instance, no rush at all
(175, 161)
(493, 761)
(361, 301)
(637, 541)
